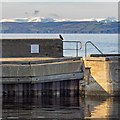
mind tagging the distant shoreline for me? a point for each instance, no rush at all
(61, 27)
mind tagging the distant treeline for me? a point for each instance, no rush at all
(61, 27)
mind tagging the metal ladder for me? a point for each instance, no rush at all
(93, 46)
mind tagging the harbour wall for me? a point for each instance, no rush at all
(58, 77)
(61, 76)
(102, 76)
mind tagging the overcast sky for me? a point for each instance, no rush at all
(67, 10)
(59, 0)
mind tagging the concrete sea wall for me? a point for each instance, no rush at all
(102, 76)
(55, 77)
(61, 76)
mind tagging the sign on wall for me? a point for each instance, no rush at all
(35, 48)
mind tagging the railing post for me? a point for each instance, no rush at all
(85, 49)
(76, 49)
(77, 46)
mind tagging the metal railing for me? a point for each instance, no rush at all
(77, 48)
(93, 46)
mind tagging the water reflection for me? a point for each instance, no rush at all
(105, 108)
(60, 108)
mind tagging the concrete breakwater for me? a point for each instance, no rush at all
(42, 76)
(102, 75)
(97, 75)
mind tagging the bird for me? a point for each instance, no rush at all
(61, 37)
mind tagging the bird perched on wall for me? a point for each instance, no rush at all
(61, 37)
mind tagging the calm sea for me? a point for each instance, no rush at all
(66, 108)
(60, 108)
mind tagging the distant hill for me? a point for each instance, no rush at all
(41, 25)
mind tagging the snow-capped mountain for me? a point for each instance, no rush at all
(32, 19)
(109, 20)
(48, 19)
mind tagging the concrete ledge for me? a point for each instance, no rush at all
(51, 78)
(36, 60)
(111, 58)
(104, 55)
(41, 79)
(94, 59)
(18, 70)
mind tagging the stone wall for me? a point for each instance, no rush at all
(22, 47)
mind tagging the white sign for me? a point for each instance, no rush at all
(34, 48)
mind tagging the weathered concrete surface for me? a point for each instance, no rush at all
(43, 72)
(40, 69)
(26, 59)
(43, 79)
(102, 76)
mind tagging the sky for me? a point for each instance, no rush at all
(59, 10)
(60, 0)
